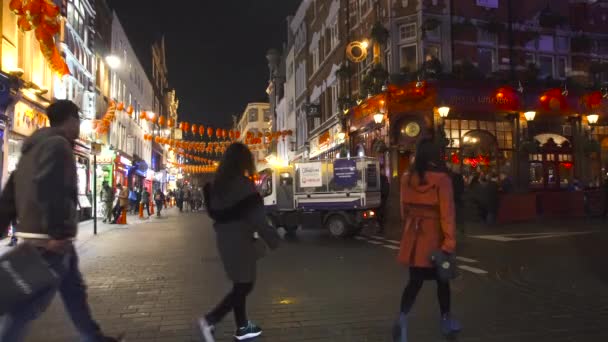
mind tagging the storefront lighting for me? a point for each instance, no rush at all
(341, 135)
(530, 115)
(113, 61)
(365, 43)
(593, 118)
(378, 118)
(444, 111)
(151, 116)
(86, 127)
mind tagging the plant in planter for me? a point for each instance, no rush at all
(430, 24)
(344, 72)
(529, 147)
(379, 33)
(550, 19)
(372, 82)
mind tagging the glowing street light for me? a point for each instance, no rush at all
(530, 115)
(593, 118)
(378, 118)
(113, 61)
(444, 111)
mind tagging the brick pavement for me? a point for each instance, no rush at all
(153, 280)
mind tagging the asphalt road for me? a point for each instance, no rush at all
(152, 280)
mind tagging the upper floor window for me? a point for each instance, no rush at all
(486, 59)
(252, 114)
(315, 59)
(335, 38)
(407, 31)
(267, 116)
(562, 43)
(546, 43)
(485, 36)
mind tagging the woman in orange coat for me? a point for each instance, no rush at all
(427, 210)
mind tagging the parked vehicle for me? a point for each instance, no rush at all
(339, 195)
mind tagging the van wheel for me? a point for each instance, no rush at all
(337, 226)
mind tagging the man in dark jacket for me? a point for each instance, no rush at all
(107, 197)
(41, 197)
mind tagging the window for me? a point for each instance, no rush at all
(407, 32)
(252, 114)
(334, 99)
(484, 36)
(546, 43)
(545, 64)
(434, 34)
(485, 60)
(562, 43)
(335, 37)
(315, 59)
(562, 66)
(408, 58)
(530, 59)
(267, 116)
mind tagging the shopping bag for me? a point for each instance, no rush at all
(444, 264)
(23, 275)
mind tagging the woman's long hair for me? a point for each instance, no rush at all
(237, 161)
(428, 158)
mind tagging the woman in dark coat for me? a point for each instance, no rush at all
(237, 210)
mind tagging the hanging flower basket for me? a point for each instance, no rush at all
(581, 43)
(379, 33)
(591, 146)
(344, 72)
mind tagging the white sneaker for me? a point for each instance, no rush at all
(206, 330)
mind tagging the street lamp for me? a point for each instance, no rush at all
(592, 119)
(530, 115)
(378, 118)
(113, 61)
(444, 111)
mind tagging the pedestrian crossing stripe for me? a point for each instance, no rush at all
(529, 236)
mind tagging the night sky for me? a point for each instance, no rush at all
(215, 49)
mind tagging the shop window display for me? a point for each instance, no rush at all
(553, 166)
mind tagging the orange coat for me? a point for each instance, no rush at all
(429, 218)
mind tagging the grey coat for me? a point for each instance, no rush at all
(238, 213)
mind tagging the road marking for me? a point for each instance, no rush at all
(463, 259)
(374, 242)
(472, 269)
(529, 236)
(380, 238)
(391, 247)
(360, 238)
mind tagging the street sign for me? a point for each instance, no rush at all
(95, 148)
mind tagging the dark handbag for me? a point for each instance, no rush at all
(23, 275)
(261, 249)
(445, 265)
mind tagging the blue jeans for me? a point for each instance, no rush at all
(73, 293)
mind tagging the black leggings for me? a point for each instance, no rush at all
(417, 276)
(235, 301)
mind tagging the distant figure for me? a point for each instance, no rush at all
(145, 200)
(159, 199)
(506, 184)
(107, 198)
(458, 188)
(180, 199)
(132, 199)
(385, 187)
(123, 202)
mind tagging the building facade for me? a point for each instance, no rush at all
(132, 90)
(160, 84)
(256, 121)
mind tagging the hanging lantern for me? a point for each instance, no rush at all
(161, 121)
(237, 134)
(157, 140)
(194, 128)
(170, 123)
(218, 133)
(143, 115)
(231, 134)
(210, 132)
(120, 106)
(130, 110)
(260, 135)
(201, 130)
(186, 126)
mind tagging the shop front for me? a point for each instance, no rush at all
(327, 144)
(138, 173)
(104, 173)
(488, 131)
(122, 165)
(83, 168)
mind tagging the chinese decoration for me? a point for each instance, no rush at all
(42, 16)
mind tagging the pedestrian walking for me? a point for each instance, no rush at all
(107, 198)
(145, 200)
(180, 200)
(197, 197)
(187, 199)
(427, 210)
(132, 200)
(42, 198)
(122, 203)
(239, 221)
(159, 199)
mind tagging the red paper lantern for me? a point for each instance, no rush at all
(161, 121)
(194, 128)
(210, 132)
(218, 133)
(120, 106)
(170, 122)
(201, 130)
(143, 115)
(237, 134)
(186, 126)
